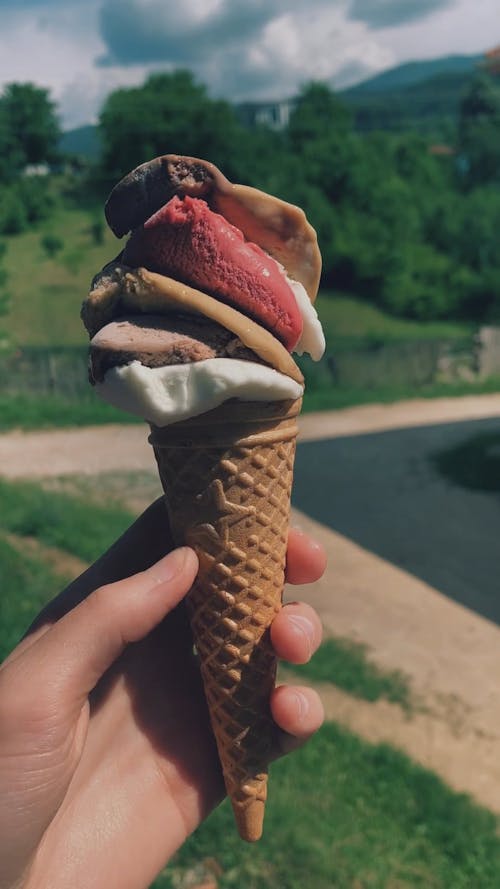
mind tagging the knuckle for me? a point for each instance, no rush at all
(100, 599)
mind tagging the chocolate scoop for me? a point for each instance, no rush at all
(159, 340)
(279, 228)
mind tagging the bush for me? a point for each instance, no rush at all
(51, 244)
(96, 230)
(13, 216)
(428, 285)
(34, 195)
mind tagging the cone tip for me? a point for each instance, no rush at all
(250, 819)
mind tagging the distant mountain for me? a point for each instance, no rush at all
(411, 73)
(420, 95)
(81, 142)
(423, 96)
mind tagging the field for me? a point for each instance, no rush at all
(342, 813)
(46, 293)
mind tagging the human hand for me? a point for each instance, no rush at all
(107, 760)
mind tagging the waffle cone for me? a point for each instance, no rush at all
(227, 477)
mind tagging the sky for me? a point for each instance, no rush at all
(240, 49)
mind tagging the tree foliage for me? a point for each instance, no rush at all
(29, 129)
(402, 222)
(394, 223)
(29, 134)
(170, 114)
(408, 227)
(479, 131)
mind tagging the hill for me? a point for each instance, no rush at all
(428, 106)
(420, 95)
(411, 73)
(81, 142)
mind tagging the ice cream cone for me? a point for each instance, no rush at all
(227, 477)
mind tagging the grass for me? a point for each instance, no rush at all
(345, 663)
(341, 812)
(57, 519)
(26, 585)
(348, 320)
(46, 294)
(52, 411)
(472, 464)
(335, 398)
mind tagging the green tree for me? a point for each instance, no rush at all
(318, 110)
(171, 113)
(479, 131)
(29, 129)
(319, 133)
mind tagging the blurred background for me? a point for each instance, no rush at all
(381, 118)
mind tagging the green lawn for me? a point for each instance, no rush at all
(347, 665)
(58, 519)
(26, 585)
(50, 411)
(333, 398)
(342, 813)
(46, 294)
(348, 320)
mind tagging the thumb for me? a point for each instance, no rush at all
(68, 660)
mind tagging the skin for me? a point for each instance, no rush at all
(107, 761)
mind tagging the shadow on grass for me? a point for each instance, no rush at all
(473, 464)
(435, 517)
(344, 813)
(346, 664)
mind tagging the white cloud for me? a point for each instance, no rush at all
(47, 51)
(240, 49)
(465, 29)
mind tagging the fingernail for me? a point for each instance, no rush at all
(302, 704)
(172, 565)
(303, 626)
(312, 543)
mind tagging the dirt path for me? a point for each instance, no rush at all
(450, 654)
(108, 448)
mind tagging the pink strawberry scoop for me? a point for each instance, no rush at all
(188, 241)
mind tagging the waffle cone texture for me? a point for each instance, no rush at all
(227, 477)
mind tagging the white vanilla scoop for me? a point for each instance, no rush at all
(166, 395)
(312, 338)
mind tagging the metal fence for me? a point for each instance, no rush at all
(43, 371)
